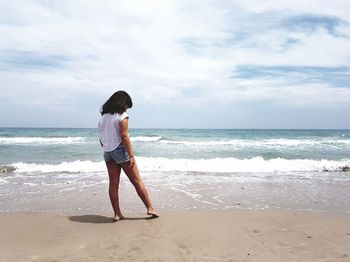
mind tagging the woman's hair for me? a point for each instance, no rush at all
(119, 102)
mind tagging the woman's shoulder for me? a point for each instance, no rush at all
(115, 115)
(125, 114)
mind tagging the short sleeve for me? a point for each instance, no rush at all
(123, 116)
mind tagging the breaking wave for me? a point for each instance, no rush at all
(146, 138)
(257, 143)
(215, 165)
(41, 140)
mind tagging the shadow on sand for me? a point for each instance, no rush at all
(97, 219)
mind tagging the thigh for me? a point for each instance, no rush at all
(131, 172)
(113, 171)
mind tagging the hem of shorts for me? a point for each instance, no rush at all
(118, 163)
(122, 162)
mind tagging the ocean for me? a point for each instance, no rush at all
(62, 170)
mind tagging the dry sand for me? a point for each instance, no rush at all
(189, 236)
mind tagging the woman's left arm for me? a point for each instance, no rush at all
(124, 133)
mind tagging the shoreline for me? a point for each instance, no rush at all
(232, 235)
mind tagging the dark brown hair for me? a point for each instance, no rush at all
(119, 102)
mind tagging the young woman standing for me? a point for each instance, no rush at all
(115, 142)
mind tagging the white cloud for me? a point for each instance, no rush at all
(161, 50)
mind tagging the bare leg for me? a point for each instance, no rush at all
(114, 178)
(135, 178)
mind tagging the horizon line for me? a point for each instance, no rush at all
(179, 128)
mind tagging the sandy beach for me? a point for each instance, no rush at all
(240, 235)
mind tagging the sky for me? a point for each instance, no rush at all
(186, 64)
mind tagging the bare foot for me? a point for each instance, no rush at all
(117, 218)
(152, 213)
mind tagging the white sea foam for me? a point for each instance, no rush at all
(75, 166)
(264, 142)
(145, 138)
(226, 165)
(216, 165)
(41, 140)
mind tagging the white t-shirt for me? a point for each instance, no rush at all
(109, 130)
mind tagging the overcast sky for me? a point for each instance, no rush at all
(186, 64)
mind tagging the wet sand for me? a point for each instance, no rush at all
(239, 235)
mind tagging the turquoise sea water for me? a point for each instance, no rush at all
(297, 169)
(31, 145)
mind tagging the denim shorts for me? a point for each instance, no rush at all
(119, 155)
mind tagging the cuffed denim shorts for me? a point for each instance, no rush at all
(119, 155)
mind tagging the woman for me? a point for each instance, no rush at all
(115, 141)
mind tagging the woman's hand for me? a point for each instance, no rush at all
(132, 162)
